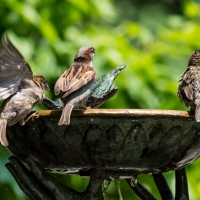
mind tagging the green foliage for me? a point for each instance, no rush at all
(154, 39)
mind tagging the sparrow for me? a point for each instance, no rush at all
(76, 82)
(19, 88)
(189, 88)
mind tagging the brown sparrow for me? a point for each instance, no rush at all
(76, 82)
(189, 89)
(20, 89)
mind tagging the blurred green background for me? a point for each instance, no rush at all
(153, 38)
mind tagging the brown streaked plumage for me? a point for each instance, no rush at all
(76, 82)
(189, 89)
(20, 89)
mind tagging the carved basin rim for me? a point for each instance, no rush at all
(121, 112)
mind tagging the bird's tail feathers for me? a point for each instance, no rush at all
(3, 138)
(197, 109)
(66, 113)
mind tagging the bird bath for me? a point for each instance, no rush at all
(119, 142)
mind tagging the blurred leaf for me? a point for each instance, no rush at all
(191, 9)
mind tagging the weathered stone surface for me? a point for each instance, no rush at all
(123, 142)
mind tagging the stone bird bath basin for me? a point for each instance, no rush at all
(121, 141)
(104, 143)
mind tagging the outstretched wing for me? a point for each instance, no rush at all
(13, 68)
(74, 78)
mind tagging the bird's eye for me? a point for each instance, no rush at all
(93, 50)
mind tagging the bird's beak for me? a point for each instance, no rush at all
(46, 87)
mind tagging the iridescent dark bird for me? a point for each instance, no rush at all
(20, 89)
(189, 89)
(76, 82)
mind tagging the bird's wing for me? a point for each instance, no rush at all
(13, 68)
(74, 78)
(191, 81)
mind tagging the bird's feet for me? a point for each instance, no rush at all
(85, 107)
(32, 117)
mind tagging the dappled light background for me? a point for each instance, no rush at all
(153, 38)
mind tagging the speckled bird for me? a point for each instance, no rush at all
(20, 89)
(189, 88)
(76, 82)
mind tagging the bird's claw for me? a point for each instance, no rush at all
(32, 116)
(85, 107)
